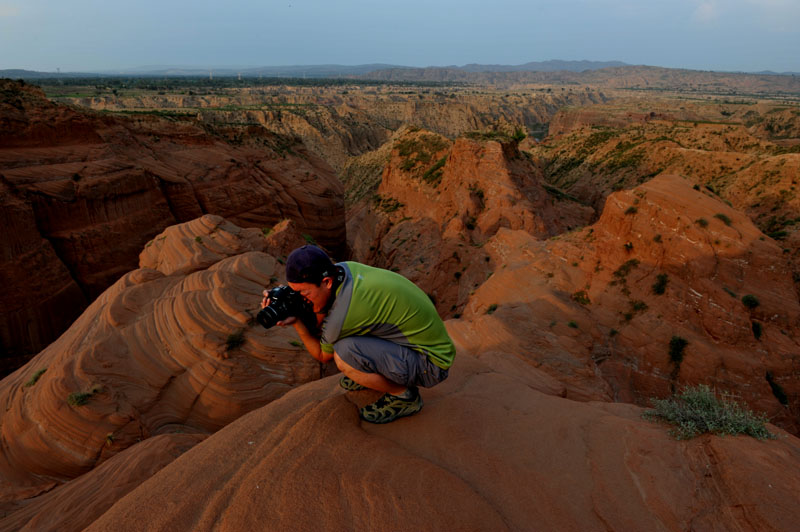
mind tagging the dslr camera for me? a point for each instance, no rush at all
(285, 303)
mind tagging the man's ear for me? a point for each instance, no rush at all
(328, 282)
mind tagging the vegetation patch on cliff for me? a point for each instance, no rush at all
(696, 410)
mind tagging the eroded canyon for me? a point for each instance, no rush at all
(563, 263)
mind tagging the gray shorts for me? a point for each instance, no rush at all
(398, 363)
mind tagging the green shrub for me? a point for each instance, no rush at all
(702, 222)
(777, 389)
(757, 330)
(696, 410)
(78, 398)
(82, 398)
(623, 271)
(660, 286)
(478, 191)
(631, 210)
(434, 174)
(750, 301)
(581, 297)
(676, 348)
(35, 377)
(198, 239)
(386, 204)
(725, 219)
(572, 325)
(491, 308)
(310, 239)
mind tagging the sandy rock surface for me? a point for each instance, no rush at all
(489, 451)
(76, 504)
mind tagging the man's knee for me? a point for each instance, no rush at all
(341, 364)
(346, 354)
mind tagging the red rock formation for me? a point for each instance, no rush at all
(170, 347)
(438, 203)
(88, 191)
(76, 504)
(584, 308)
(151, 354)
(489, 451)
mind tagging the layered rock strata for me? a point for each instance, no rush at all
(170, 347)
(82, 193)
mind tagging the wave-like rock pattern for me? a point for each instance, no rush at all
(171, 346)
(82, 193)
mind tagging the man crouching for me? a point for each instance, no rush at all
(382, 330)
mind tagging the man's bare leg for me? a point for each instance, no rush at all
(374, 381)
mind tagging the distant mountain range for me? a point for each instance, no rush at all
(311, 71)
(380, 70)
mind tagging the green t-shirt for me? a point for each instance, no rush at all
(376, 302)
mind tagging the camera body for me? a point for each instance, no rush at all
(285, 303)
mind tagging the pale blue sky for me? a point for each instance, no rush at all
(750, 35)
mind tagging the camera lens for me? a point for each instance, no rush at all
(268, 317)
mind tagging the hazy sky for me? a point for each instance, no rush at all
(749, 35)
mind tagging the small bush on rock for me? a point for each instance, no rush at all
(35, 377)
(696, 410)
(660, 286)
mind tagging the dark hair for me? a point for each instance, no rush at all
(308, 264)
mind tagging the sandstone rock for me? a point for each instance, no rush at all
(439, 202)
(338, 124)
(582, 307)
(488, 451)
(76, 504)
(171, 346)
(89, 190)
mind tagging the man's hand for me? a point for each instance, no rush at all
(265, 303)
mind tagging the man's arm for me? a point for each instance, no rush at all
(311, 342)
